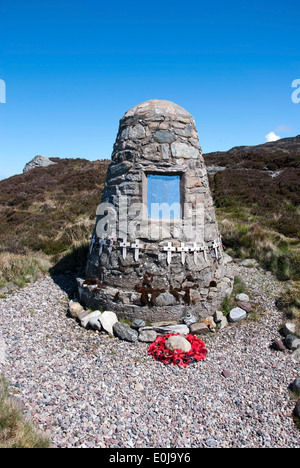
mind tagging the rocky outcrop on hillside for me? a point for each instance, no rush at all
(38, 161)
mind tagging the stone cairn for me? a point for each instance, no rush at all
(156, 267)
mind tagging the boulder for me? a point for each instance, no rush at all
(108, 319)
(178, 342)
(199, 329)
(38, 161)
(237, 314)
(75, 309)
(125, 332)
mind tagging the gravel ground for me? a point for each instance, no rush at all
(86, 389)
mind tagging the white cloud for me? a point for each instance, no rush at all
(272, 137)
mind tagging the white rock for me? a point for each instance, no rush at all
(237, 314)
(85, 320)
(107, 320)
(289, 328)
(218, 315)
(75, 309)
(178, 342)
(223, 323)
(242, 297)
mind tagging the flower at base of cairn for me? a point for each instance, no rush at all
(159, 351)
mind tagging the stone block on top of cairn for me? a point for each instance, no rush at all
(156, 236)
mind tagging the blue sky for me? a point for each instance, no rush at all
(73, 68)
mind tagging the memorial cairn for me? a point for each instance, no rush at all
(156, 254)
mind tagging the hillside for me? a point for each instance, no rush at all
(50, 209)
(257, 198)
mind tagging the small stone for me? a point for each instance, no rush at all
(108, 320)
(249, 263)
(166, 329)
(199, 329)
(139, 387)
(83, 314)
(237, 314)
(246, 306)
(297, 409)
(218, 315)
(147, 336)
(84, 322)
(223, 323)
(226, 373)
(138, 323)
(211, 443)
(242, 297)
(125, 332)
(75, 309)
(278, 345)
(95, 324)
(296, 355)
(189, 320)
(289, 328)
(178, 342)
(292, 342)
(296, 385)
(209, 321)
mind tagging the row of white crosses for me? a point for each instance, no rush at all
(124, 245)
(216, 246)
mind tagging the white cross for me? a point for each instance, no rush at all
(195, 249)
(183, 249)
(215, 246)
(93, 240)
(203, 249)
(124, 246)
(110, 245)
(137, 246)
(102, 243)
(169, 249)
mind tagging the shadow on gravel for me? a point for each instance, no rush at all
(68, 268)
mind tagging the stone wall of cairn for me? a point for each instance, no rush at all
(163, 269)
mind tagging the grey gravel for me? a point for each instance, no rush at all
(88, 389)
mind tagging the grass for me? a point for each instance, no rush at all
(21, 269)
(290, 304)
(239, 287)
(15, 430)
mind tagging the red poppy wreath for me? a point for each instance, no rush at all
(178, 357)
